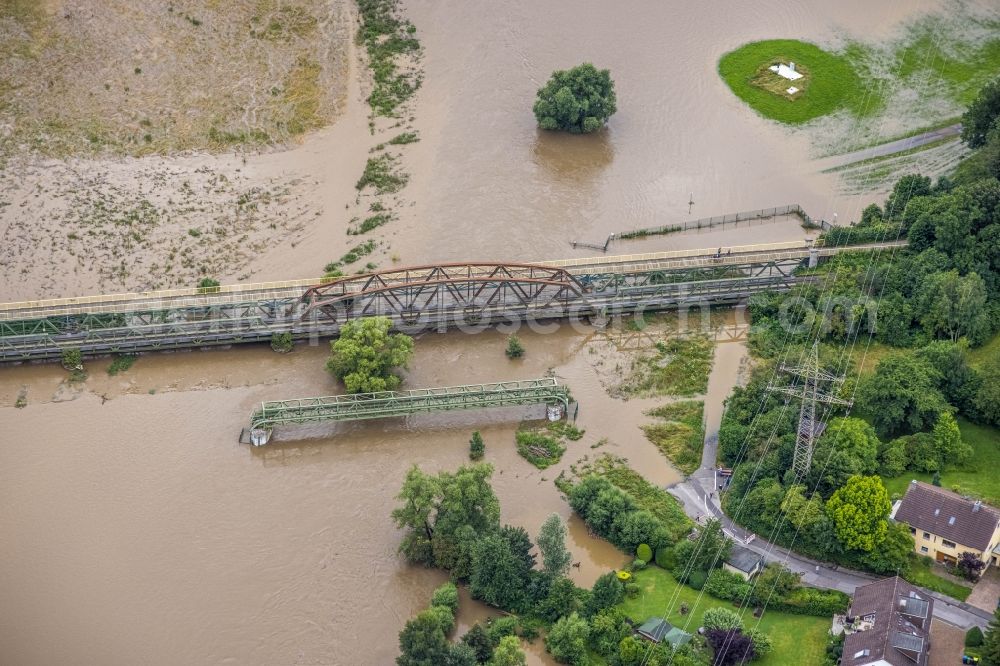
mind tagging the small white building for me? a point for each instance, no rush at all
(786, 71)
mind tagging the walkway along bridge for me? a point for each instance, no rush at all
(385, 404)
(473, 294)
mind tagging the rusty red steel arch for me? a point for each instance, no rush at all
(468, 285)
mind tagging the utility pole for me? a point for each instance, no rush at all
(810, 394)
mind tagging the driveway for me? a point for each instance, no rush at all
(986, 592)
(947, 642)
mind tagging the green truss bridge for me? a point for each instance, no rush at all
(363, 406)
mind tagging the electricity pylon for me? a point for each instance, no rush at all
(810, 394)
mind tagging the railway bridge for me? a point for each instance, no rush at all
(416, 298)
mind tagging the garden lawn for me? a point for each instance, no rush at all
(978, 477)
(832, 82)
(922, 573)
(798, 639)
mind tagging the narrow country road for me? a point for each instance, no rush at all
(890, 148)
(699, 495)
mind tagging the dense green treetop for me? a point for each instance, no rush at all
(981, 116)
(552, 546)
(422, 641)
(366, 353)
(579, 100)
(859, 510)
(902, 394)
(508, 653)
(567, 640)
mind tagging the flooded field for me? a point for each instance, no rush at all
(137, 529)
(485, 183)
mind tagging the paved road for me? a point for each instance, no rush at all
(699, 495)
(891, 148)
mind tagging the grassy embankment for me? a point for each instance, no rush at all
(798, 639)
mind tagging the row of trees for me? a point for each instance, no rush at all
(452, 521)
(614, 515)
(933, 301)
(424, 639)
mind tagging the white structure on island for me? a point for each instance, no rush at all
(786, 71)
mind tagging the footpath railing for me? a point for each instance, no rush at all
(759, 214)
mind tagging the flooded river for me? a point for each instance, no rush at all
(136, 529)
(487, 182)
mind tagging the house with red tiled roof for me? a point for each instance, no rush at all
(944, 524)
(888, 624)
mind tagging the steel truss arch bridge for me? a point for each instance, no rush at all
(417, 298)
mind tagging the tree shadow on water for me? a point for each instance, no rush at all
(573, 158)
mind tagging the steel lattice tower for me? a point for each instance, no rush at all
(809, 393)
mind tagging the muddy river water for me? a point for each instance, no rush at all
(138, 530)
(135, 529)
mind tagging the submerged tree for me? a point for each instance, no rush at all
(366, 354)
(552, 545)
(579, 100)
(477, 448)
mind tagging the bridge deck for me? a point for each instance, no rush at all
(402, 403)
(415, 299)
(291, 289)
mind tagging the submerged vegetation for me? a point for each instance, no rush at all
(388, 37)
(921, 78)
(679, 366)
(678, 433)
(121, 363)
(382, 174)
(543, 447)
(649, 497)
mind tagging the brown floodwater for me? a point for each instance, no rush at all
(487, 181)
(137, 529)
